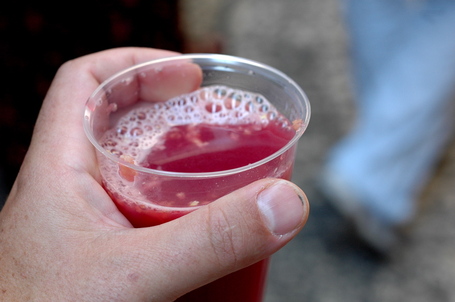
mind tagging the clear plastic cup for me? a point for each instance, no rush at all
(177, 133)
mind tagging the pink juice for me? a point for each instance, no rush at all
(213, 129)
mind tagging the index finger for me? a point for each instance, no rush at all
(59, 134)
(152, 81)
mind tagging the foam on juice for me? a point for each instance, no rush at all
(142, 128)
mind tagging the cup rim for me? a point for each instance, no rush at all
(228, 59)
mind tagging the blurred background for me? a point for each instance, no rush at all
(305, 39)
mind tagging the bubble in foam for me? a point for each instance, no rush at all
(271, 116)
(116, 152)
(122, 130)
(136, 131)
(259, 100)
(127, 81)
(99, 102)
(219, 92)
(110, 143)
(141, 115)
(264, 108)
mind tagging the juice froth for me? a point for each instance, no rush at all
(211, 120)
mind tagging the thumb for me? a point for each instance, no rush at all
(233, 232)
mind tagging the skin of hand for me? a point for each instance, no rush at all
(63, 239)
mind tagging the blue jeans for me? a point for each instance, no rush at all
(403, 62)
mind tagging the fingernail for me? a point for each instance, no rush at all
(282, 207)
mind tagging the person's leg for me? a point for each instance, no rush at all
(404, 72)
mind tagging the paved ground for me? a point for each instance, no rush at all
(306, 40)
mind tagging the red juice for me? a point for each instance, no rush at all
(208, 131)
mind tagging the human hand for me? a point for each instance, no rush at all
(63, 239)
